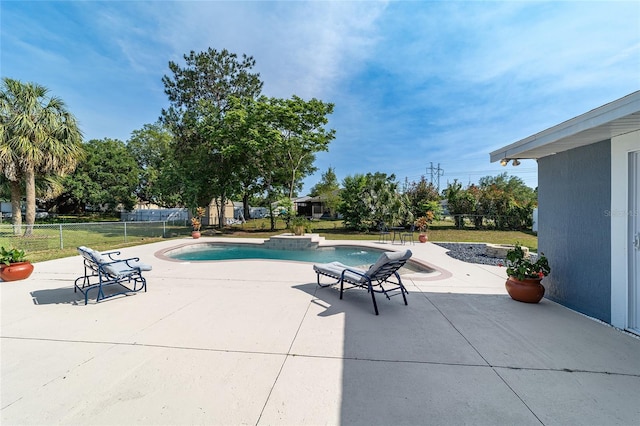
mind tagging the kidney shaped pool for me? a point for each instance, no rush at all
(349, 255)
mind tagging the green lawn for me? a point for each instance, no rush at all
(443, 231)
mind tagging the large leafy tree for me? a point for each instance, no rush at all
(200, 95)
(371, 200)
(283, 137)
(354, 208)
(421, 196)
(219, 154)
(328, 183)
(258, 166)
(507, 200)
(39, 138)
(107, 179)
(151, 148)
(229, 141)
(211, 75)
(460, 202)
(328, 189)
(301, 125)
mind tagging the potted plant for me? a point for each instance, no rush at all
(196, 222)
(14, 265)
(422, 223)
(299, 225)
(525, 276)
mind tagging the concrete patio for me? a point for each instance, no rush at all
(257, 342)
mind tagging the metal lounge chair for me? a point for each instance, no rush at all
(380, 274)
(105, 269)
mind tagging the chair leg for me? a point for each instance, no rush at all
(373, 297)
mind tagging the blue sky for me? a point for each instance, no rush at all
(413, 83)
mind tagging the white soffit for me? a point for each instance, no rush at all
(613, 119)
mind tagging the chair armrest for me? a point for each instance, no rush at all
(110, 254)
(364, 276)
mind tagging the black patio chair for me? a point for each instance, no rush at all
(408, 235)
(384, 232)
(382, 273)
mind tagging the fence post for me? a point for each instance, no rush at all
(125, 232)
(61, 240)
(164, 229)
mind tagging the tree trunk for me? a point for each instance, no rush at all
(30, 217)
(272, 218)
(16, 211)
(293, 183)
(221, 217)
(245, 206)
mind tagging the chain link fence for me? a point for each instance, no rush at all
(489, 221)
(42, 237)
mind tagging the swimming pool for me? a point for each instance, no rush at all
(349, 255)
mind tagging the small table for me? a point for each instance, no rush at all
(397, 230)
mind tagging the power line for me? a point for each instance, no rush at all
(523, 171)
(435, 175)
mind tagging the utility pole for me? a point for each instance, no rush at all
(435, 174)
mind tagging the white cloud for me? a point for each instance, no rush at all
(300, 48)
(413, 82)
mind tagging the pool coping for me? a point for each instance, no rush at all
(438, 273)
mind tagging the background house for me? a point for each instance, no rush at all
(307, 206)
(589, 209)
(313, 207)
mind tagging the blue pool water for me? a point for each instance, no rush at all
(349, 255)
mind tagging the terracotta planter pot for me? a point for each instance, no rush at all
(528, 290)
(16, 271)
(422, 238)
(195, 234)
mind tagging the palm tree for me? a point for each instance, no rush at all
(38, 137)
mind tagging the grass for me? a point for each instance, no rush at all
(45, 243)
(442, 231)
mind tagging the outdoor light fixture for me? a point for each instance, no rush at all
(505, 161)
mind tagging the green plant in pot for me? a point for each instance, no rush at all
(196, 222)
(525, 276)
(299, 225)
(14, 265)
(422, 224)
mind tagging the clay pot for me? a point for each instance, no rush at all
(16, 271)
(528, 290)
(195, 234)
(422, 238)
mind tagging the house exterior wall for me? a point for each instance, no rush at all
(574, 232)
(621, 146)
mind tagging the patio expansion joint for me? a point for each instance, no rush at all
(494, 369)
(288, 354)
(298, 355)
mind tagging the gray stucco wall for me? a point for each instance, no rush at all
(574, 230)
